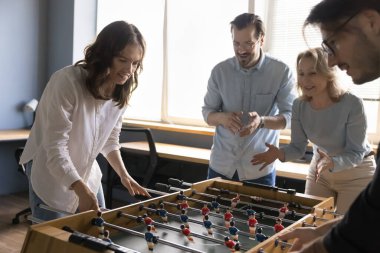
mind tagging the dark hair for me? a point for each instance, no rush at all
(99, 55)
(244, 20)
(329, 12)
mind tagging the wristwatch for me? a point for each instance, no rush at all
(261, 125)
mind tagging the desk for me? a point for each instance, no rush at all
(14, 135)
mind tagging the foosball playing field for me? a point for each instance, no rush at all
(210, 216)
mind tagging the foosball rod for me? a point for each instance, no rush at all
(179, 183)
(139, 234)
(126, 230)
(158, 224)
(245, 203)
(258, 199)
(95, 243)
(218, 215)
(197, 221)
(324, 211)
(167, 187)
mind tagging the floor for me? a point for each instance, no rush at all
(12, 236)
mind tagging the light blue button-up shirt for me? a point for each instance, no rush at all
(268, 89)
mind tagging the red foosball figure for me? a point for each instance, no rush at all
(278, 226)
(186, 232)
(228, 218)
(230, 243)
(184, 205)
(149, 222)
(205, 210)
(252, 223)
(283, 211)
(235, 201)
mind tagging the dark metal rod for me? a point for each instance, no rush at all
(219, 215)
(136, 233)
(233, 209)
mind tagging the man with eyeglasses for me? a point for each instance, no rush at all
(249, 98)
(351, 32)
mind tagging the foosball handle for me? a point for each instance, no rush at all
(162, 187)
(178, 183)
(268, 187)
(224, 191)
(175, 182)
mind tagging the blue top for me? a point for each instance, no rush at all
(162, 212)
(184, 218)
(266, 88)
(261, 237)
(215, 204)
(339, 130)
(207, 224)
(149, 236)
(233, 230)
(250, 212)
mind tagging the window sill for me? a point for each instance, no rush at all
(208, 131)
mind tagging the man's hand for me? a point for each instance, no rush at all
(252, 125)
(87, 199)
(315, 246)
(309, 240)
(232, 121)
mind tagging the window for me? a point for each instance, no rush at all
(284, 40)
(187, 38)
(173, 82)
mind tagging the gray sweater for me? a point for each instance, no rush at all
(339, 130)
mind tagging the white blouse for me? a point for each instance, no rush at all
(70, 130)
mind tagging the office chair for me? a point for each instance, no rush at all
(140, 168)
(26, 211)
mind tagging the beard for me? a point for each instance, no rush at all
(244, 60)
(367, 61)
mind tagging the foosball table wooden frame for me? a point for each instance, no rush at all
(50, 237)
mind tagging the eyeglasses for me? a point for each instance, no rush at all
(246, 45)
(330, 49)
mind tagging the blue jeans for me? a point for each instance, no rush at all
(269, 179)
(46, 215)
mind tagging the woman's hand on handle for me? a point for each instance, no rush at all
(87, 199)
(133, 187)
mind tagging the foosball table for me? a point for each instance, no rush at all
(215, 215)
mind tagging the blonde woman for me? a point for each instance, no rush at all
(334, 121)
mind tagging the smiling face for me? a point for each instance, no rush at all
(311, 82)
(125, 64)
(356, 49)
(246, 46)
